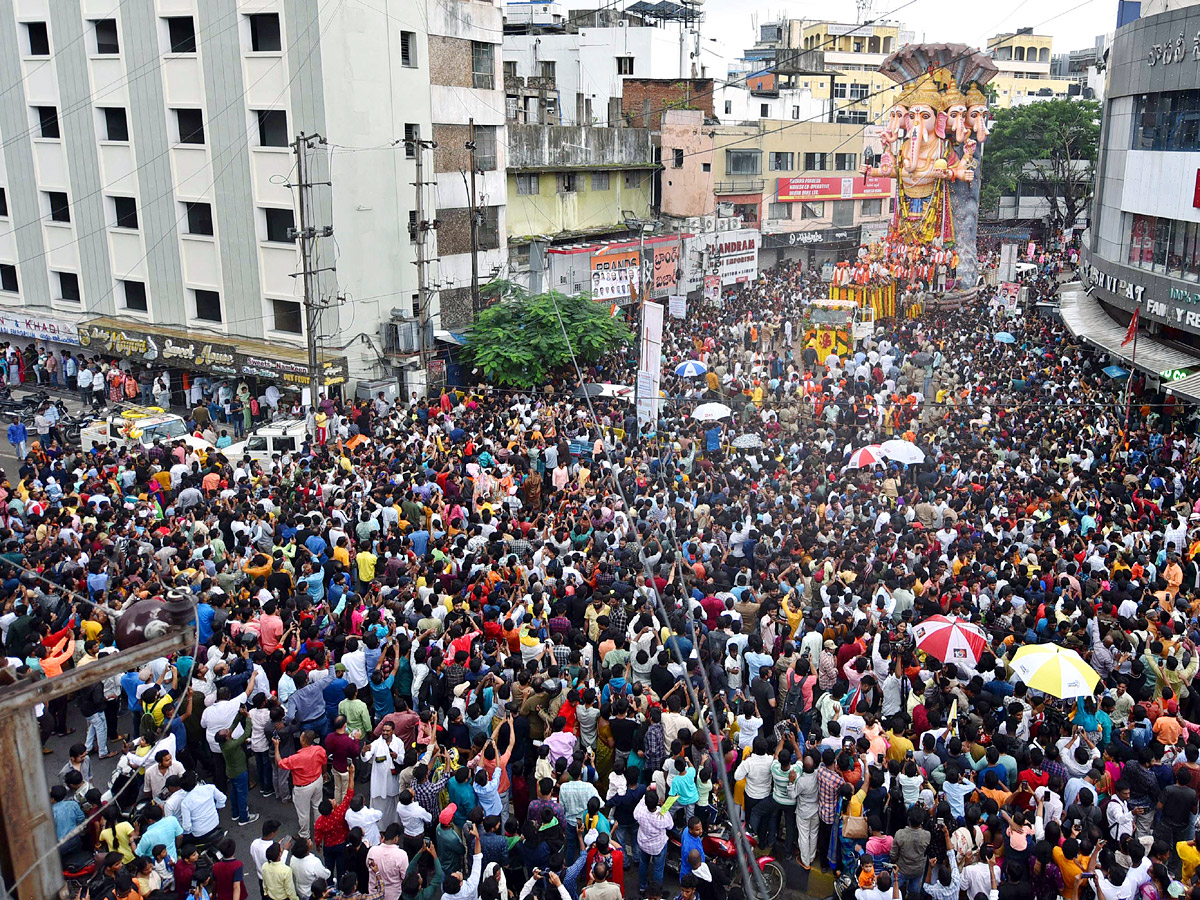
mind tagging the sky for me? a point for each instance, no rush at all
(1074, 24)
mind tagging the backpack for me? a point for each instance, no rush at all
(793, 701)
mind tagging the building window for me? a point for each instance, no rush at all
(779, 211)
(489, 228)
(413, 229)
(48, 122)
(68, 287)
(839, 90)
(528, 185)
(729, 107)
(624, 65)
(280, 223)
(859, 91)
(816, 162)
(567, 183)
(60, 206)
(843, 213)
(633, 181)
(190, 125)
(107, 41)
(265, 36)
(135, 296)
(412, 137)
(483, 65)
(116, 124)
(747, 211)
(518, 255)
(510, 69)
(1165, 246)
(408, 49)
(199, 219)
(781, 162)
(600, 181)
(677, 158)
(272, 127)
(181, 34)
(485, 148)
(845, 162)
(764, 110)
(39, 38)
(1167, 121)
(812, 209)
(743, 162)
(705, 167)
(8, 278)
(125, 214)
(3, 203)
(288, 316)
(872, 207)
(546, 68)
(795, 112)
(208, 306)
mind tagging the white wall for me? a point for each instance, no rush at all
(747, 107)
(1146, 171)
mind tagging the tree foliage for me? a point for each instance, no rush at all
(1051, 146)
(517, 341)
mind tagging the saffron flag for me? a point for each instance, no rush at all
(1133, 324)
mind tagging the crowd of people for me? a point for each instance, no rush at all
(477, 664)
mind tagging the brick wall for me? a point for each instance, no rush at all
(451, 153)
(450, 61)
(642, 96)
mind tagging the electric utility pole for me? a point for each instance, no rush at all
(307, 235)
(420, 227)
(474, 225)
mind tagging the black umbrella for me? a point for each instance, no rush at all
(589, 390)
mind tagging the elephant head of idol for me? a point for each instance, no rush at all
(977, 113)
(956, 115)
(924, 110)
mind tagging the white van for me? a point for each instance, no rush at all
(139, 426)
(274, 439)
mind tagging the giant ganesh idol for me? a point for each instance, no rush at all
(933, 140)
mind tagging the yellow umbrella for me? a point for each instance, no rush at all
(1054, 670)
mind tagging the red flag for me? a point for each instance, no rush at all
(1133, 324)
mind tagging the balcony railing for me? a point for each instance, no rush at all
(740, 186)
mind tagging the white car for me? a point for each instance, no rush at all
(140, 426)
(270, 440)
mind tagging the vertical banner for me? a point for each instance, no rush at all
(678, 306)
(1008, 262)
(712, 288)
(664, 270)
(651, 362)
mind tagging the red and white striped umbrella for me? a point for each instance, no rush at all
(867, 456)
(950, 640)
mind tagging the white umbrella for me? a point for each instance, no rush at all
(744, 441)
(866, 456)
(693, 368)
(902, 451)
(710, 412)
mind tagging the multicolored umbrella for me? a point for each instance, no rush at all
(692, 368)
(1054, 670)
(950, 639)
(864, 457)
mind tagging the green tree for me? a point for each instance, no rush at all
(517, 340)
(1050, 146)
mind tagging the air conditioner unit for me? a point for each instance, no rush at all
(401, 336)
(724, 210)
(695, 223)
(708, 223)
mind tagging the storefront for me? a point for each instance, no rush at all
(198, 364)
(812, 248)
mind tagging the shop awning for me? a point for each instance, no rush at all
(1085, 318)
(232, 355)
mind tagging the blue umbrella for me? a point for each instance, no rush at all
(1115, 372)
(693, 368)
(1003, 337)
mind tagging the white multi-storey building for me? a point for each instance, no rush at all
(148, 186)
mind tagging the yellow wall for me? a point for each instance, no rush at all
(1009, 87)
(550, 212)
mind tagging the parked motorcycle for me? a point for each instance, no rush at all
(720, 849)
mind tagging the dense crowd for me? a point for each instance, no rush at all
(481, 665)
